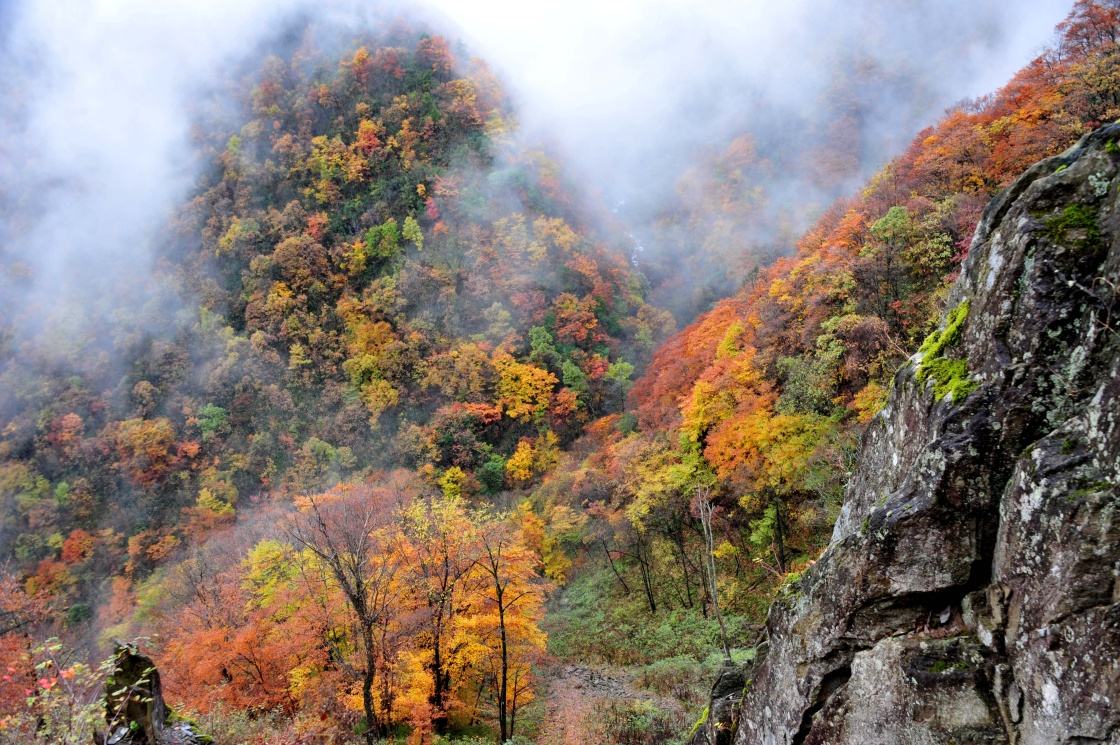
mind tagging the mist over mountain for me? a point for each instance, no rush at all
(632, 95)
(487, 372)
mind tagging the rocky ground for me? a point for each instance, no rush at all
(583, 701)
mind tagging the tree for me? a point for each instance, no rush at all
(146, 449)
(411, 232)
(519, 466)
(441, 552)
(351, 532)
(20, 614)
(231, 636)
(705, 508)
(513, 604)
(523, 389)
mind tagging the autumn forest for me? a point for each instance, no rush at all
(411, 436)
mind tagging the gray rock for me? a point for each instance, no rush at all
(134, 707)
(970, 593)
(719, 727)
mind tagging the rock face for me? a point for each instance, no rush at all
(134, 706)
(970, 593)
(719, 728)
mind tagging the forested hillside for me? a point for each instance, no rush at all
(383, 281)
(769, 390)
(406, 442)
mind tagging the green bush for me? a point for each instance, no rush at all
(637, 723)
(683, 678)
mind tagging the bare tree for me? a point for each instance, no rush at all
(705, 508)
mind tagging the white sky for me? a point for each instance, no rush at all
(627, 86)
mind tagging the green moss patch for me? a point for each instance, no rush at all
(699, 723)
(1075, 226)
(950, 375)
(943, 337)
(945, 666)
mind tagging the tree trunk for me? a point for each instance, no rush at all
(646, 582)
(387, 694)
(503, 683)
(373, 727)
(439, 713)
(678, 541)
(779, 539)
(705, 586)
(706, 512)
(607, 551)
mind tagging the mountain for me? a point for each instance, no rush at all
(403, 442)
(370, 277)
(373, 284)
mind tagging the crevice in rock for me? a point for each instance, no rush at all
(831, 683)
(1088, 740)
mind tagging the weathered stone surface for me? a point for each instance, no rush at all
(134, 707)
(917, 692)
(1056, 587)
(970, 593)
(719, 727)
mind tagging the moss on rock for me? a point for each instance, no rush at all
(1075, 226)
(950, 375)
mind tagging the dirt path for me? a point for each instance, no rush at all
(576, 696)
(574, 693)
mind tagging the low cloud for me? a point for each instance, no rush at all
(100, 96)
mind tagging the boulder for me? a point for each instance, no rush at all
(134, 707)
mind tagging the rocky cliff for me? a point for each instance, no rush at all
(970, 592)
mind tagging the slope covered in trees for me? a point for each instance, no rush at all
(758, 405)
(772, 385)
(376, 453)
(373, 275)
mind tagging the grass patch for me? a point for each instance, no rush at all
(636, 723)
(593, 620)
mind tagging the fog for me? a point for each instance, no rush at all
(632, 89)
(97, 101)
(99, 97)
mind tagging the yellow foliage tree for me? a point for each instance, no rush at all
(506, 627)
(524, 390)
(519, 467)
